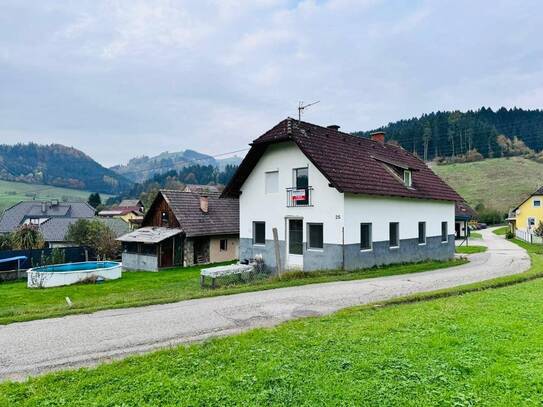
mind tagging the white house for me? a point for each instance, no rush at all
(339, 201)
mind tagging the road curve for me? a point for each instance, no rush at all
(30, 348)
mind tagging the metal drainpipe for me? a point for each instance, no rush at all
(343, 247)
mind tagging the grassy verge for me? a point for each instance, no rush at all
(457, 350)
(501, 231)
(143, 288)
(475, 235)
(470, 249)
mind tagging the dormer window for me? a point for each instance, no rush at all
(407, 178)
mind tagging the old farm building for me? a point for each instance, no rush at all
(183, 229)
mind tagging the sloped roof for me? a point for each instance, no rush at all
(351, 164)
(150, 234)
(202, 188)
(129, 203)
(222, 217)
(16, 215)
(55, 229)
(464, 211)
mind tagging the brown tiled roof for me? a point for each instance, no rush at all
(463, 210)
(351, 164)
(222, 217)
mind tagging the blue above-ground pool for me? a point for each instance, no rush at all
(72, 273)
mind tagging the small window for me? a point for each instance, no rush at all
(444, 232)
(164, 218)
(365, 236)
(537, 203)
(272, 182)
(223, 245)
(407, 178)
(148, 249)
(259, 233)
(315, 238)
(422, 232)
(394, 234)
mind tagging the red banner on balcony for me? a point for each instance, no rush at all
(299, 195)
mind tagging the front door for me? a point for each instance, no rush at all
(295, 245)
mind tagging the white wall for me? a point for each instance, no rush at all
(408, 212)
(256, 205)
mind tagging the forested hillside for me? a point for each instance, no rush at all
(59, 166)
(194, 174)
(140, 169)
(455, 134)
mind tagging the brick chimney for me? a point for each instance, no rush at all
(378, 136)
(204, 204)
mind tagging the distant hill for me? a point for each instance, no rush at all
(499, 183)
(140, 169)
(451, 134)
(59, 166)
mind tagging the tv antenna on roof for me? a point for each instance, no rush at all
(301, 108)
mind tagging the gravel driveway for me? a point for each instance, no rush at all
(30, 348)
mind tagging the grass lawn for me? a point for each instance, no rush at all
(480, 348)
(476, 182)
(501, 231)
(470, 249)
(475, 235)
(19, 303)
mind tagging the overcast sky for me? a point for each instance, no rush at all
(119, 79)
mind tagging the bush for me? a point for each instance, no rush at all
(491, 216)
(509, 235)
(96, 235)
(27, 237)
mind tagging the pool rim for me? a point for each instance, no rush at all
(36, 269)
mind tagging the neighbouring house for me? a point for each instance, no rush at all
(202, 189)
(131, 217)
(53, 219)
(339, 201)
(131, 204)
(526, 217)
(463, 215)
(183, 229)
(130, 211)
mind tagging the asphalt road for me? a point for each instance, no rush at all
(30, 348)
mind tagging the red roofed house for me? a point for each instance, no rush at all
(339, 201)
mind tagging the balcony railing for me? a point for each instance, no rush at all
(299, 197)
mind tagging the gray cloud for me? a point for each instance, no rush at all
(128, 77)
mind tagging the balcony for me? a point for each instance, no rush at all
(299, 197)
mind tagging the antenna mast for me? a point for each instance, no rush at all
(301, 108)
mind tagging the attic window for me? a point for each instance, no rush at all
(407, 178)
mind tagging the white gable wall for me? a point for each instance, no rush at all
(256, 205)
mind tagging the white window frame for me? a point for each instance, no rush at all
(398, 236)
(371, 237)
(408, 178)
(418, 233)
(314, 249)
(254, 233)
(446, 232)
(269, 173)
(225, 245)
